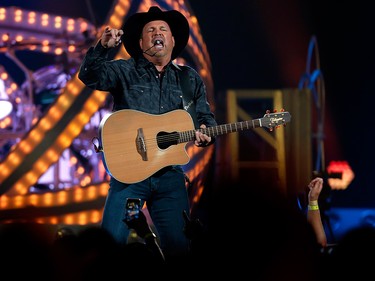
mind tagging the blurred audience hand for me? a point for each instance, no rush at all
(315, 186)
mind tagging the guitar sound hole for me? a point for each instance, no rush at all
(165, 139)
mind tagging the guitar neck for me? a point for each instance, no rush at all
(219, 130)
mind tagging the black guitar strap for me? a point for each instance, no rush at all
(188, 101)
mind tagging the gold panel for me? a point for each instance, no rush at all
(281, 157)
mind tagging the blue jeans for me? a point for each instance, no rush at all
(166, 198)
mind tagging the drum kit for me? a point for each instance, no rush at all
(61, 50)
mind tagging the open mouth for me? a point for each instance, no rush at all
(159, 43)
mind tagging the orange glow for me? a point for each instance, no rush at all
(83, 26)
(120, 10)
(44, 20)
(18, 16)
(5, 122)
(31, 19)
(46, 125)
(41, 165)
(20, 188)
(19, 38)
(346, 177)
(2, 14)
(64, 101)
(40, 220)
(82, 219)
(16, 160)
(4, 75)
(33, 200)
(14, 86)
(74, 87)
(62, 197)
(58, 51)
(91, 192)
(71, 49)
(86, 181)
(70, 26)
(36, 135)
(198, 194)
(25, 147)
(96, 216)
(19, 201)
(78, 195)
(47, 199)
(45, 49)
(103, 190)
(80, 170)
(51, 154)
(73, 160)
(69, 219)
(4, 202)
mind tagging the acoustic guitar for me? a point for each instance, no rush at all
(135, 145)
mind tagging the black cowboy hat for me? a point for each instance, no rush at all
(135, 23)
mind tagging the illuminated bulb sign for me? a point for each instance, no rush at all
(343, 168)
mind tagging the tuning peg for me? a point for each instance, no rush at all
(268, 111)
(282, 110)
(275, 110)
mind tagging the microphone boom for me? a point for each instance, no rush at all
(155, 43)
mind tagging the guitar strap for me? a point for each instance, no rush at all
(188, 101)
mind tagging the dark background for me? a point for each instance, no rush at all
(264, 45)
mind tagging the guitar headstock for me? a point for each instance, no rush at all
(275, 119)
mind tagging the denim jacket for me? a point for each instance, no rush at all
(136, 84)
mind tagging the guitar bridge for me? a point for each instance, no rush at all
(141, 144)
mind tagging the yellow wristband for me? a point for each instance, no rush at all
(313, 207)
(313, 202)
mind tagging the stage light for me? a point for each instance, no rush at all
(343, 168)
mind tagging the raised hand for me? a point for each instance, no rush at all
(111, 37)
(315, 187)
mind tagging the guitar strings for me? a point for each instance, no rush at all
(190, 135)
(175, 137)
(171, 138)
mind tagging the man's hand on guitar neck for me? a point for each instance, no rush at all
(202, 139)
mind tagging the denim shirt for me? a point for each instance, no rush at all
(136, 84)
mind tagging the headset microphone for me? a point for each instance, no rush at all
(157, 42)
